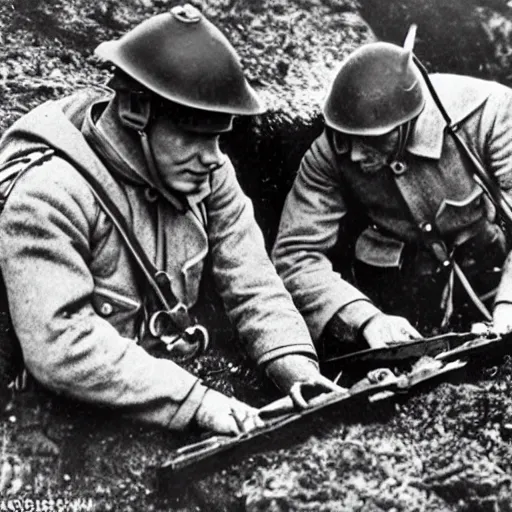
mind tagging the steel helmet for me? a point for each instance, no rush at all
(376, 89)
(184, 58)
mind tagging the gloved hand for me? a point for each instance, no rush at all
(383, 330)
(502, 318)
(288, 370)
(223, 415)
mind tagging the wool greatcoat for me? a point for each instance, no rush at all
(73, 288)
(445, 194)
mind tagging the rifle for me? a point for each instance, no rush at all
(192, 462)
(434, 358)
(446, 347)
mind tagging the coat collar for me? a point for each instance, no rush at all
(460, 95)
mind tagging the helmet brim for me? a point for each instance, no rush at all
(111, 51)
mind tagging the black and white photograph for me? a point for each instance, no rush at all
(255, 255)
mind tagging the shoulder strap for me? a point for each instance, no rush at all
(188, 337)
(191, 337)
(12, 170)
(132, 243)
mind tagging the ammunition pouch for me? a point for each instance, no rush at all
(485, 248)
(408, 279)
(480, 247)
(377, 249)
(481, 258)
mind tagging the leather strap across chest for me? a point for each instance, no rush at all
(432, 240)
(172, 313)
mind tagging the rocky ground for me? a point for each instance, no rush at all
(446, 448)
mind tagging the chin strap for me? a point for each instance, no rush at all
(134, 109)
(397, 164)
(171, 321)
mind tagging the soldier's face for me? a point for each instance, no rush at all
(376, 151)
(185, 160)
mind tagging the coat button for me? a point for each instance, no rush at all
(106, 309)
(398, 167)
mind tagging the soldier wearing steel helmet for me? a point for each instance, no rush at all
(430, 245)
(76, 291)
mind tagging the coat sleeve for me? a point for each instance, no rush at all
(45, 254)
(256, 301)
(496, 134)
(309, 228)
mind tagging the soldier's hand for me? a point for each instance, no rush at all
(290, 369)
(223, 415)
(383, 330)
(502, 318)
